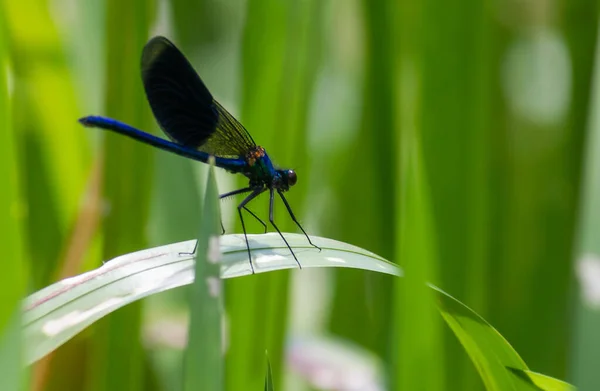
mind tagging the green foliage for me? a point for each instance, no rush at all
(49, 320)
(456, 139)
(415, 319)
(12, 282)
(49, 313)
(118, 354)
(499, 366)
(269, 378)
(205, 352)
(587, 317)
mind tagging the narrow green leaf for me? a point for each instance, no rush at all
(538, 381)
(116, 359)
(269, 377)
(54, 168)
(58, 312)
(205, 357)
(495, 359)
(11, 353)
(271, 111)
(584, 352)
(12, 279)
(362, 172)
(418, 328)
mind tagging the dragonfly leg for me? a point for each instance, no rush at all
(231, 193)
(271, 202)
(240, 191)
(289, 209)
(257, 218)
(193, 251)
(241, 206)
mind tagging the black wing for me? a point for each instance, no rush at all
(183, 106)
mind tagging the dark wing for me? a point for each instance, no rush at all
(183, 106)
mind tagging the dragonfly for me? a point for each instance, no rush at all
(199, 128)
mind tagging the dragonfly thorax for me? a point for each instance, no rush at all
(262, 173)
(256, 155)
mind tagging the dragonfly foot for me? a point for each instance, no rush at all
(187, 253)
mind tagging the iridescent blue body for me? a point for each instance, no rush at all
(200, 128)
(232, 165)
(256, 165)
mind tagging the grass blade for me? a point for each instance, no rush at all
(269, 378)
(117, 355)
(58, 312)
(55, 164)
(536, 381)
(12, 280)
(419, 337)
(205, 357)
(495, 359)
(584, 350)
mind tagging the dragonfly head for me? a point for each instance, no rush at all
(285, 179)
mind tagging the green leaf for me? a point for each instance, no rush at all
(116, 354)
(538, 381)
(583, 354)
(419, 343)
(494, 358)
(12, 280)
(54, 169)
(58, 312)
(269, 377)
(279, 62)
(204, 359)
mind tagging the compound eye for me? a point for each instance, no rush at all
(291, 177)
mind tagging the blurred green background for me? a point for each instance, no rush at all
(457, 139)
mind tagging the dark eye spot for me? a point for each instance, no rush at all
(292, 178)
